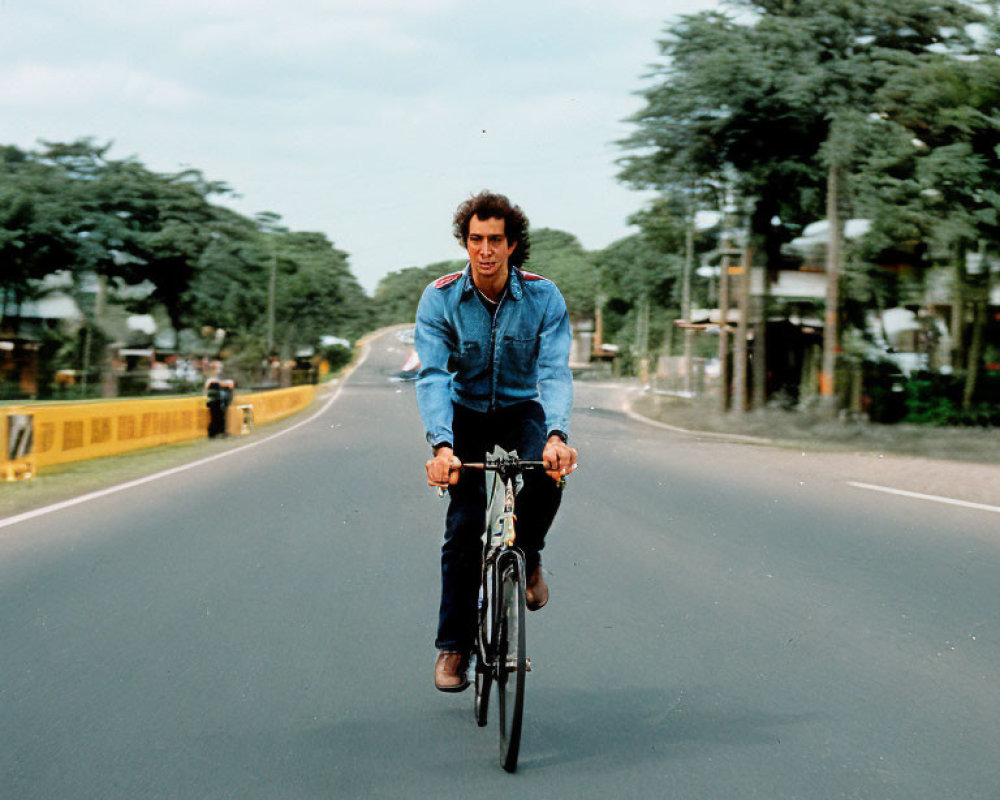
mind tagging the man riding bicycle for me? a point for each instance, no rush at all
(493, 342)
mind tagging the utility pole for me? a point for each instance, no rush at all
(724, 333)
(686, 297)
(831, 334)
(597, 346)
(642, 338)
(740, 350)
(760, 342)
(980, 309)
(728, 251)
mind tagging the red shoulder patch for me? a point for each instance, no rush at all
(531, 276)
(444, 280)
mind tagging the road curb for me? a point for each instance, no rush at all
(631, 413)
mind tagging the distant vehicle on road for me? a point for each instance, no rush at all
(410, 369)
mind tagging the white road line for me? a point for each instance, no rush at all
(734, 437)
(121, 487)
(934, 498)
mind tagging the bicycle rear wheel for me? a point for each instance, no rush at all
(511, 663)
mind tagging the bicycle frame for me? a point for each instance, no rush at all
(498, 548)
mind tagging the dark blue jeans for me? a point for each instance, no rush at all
(520, 428)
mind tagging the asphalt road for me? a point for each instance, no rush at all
(727, 621)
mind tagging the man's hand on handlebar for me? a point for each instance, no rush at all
(444, 469)
(559, 458)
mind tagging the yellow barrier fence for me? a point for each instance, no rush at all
(35, 436)
(272, 405)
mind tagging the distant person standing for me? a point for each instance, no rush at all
(218, 397)
(493, 343)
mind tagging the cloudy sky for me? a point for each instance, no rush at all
(369, 120)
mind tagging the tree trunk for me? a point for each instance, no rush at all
(18, 304)
(975, 353)
(109, 383)
(89, 324)
(272, 284)
(831, 333)
(958, 308)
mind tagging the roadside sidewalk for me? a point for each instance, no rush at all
(947, 464)
(797, 428)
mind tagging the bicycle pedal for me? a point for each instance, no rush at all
(512, 664)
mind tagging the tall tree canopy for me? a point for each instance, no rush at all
(559, 256)
(758, 99)
(71, 208)
(36, 218)
(801, 107)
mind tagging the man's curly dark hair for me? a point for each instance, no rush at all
(487, 205)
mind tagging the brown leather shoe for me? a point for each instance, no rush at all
(450, 672)
(537, 590)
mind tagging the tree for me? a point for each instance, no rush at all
(36, 213)
(229, 291)
(316, 293)
(944, 114)
(782, 100)
(134, 225)
(171, 245)
(71, 207)
(398, 293)
(638, 290)
(559, 256)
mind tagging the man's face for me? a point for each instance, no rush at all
(488, 249)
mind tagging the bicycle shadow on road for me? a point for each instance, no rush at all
(611, 728)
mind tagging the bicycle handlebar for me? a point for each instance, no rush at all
(504, 463)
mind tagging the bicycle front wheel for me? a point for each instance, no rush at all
(511, 663)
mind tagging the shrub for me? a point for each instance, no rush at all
(336, 356)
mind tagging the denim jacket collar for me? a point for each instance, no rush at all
(514, 290)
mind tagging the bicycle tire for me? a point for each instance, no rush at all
(511, 663)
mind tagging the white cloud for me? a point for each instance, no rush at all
(292, 35)
(35, 84)
(204, 27)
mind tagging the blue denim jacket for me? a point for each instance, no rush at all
(485, 363)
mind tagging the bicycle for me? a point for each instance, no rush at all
(500, 636)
